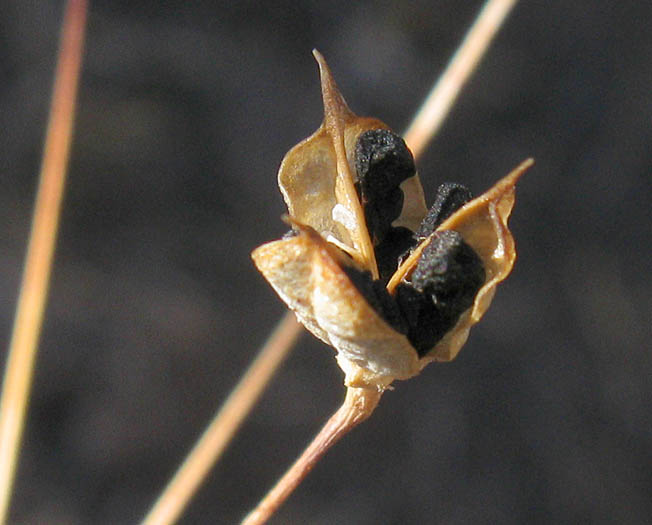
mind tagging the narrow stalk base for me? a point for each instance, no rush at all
(358, 406)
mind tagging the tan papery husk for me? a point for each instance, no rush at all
(306, 270)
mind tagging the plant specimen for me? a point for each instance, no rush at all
(367, 268)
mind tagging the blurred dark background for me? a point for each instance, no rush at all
(186, 109)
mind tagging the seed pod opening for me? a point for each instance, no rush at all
(367, 269)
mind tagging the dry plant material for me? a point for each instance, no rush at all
(369, 270)
(21, 357)
(357, 209)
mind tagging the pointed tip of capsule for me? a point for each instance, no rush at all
(324, 70)
(334, 103)
(506, 185)
(517, 172)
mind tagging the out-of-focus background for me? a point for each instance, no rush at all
(186, 109)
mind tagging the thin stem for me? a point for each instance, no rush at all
(224, 425)
(38, 261)
(439, 102)
(358, 406)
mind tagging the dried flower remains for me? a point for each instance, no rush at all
(367, 268)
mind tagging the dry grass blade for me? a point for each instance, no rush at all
(442, 97)
(225, 424)
(208, 449)
(38, 262)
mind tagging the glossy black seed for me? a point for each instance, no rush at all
(382, 162)
(394, 246)
(378, 298)
(442, 286)
(450, 197)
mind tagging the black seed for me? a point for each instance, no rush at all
(426, 325)
(449, 270)
(378, 298)
(382, 162)
(394, 246)
(450, 197)
(442, 286)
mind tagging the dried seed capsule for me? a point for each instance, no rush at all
(323, 270)
(382, 162)
(450, 197)
(442, 286)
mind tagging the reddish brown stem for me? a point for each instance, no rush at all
(358, 406)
